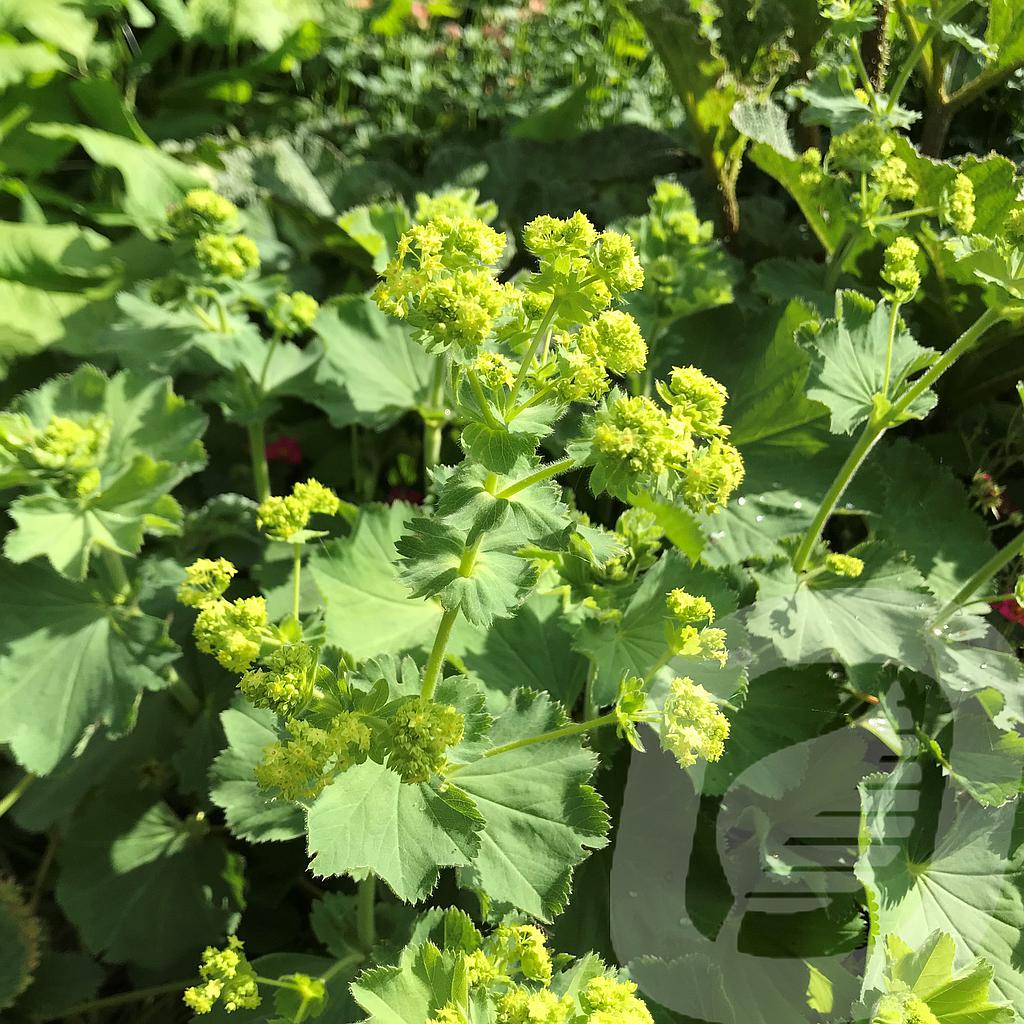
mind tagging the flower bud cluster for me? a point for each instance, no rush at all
(232, 631)
(285, 684)
(495, 370)
(844, 565)
(211, 221)
(956, 205)
(441, 281)
(419, 735)
(638, 446)
(689, 632)
(893, 180)
(300, 767)
(64, 451)
(514, 967)
(692, 725)
(903, 1008)
(228, 978)
(610, 342)
(861, 147)
(206, 579)
(899, 269)
(292, 313)
(283, 517)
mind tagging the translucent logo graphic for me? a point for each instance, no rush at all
(738, 888)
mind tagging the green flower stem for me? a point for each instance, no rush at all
(435, 661)
(296, 579)
(15, 794)
(943, 16)
(538, 339)
(1000, 559)
(341, 965)
(258, 455)
(834, 266)
(862, 72)
(183, 694)
(366, 926)
(433, 423)
(485, 406)
(573, 729)
(122, 999)
(876, 427)
(894, 313)
(659, 665)
(115, 567)
(544, 473)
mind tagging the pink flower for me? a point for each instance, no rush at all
(453, 30)
(284, 449)
(1010, 610)
(420, 13)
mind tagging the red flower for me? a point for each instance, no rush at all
(409, 494)
(1010, 610)
(284, 449)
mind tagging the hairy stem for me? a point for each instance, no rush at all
(894, 313)
(296, 579)
(184, 695)
(15, 794)
(366, 925)
(433, 423)
(544, 473)
(258, 456)
(1001, 558)
(875, 428)
(435, 660)
(115, 567)
(538, 340)
(121, 999)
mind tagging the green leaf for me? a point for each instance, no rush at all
(372, 372)
(376, 228)
(61, 981)
(19, 61)
(142, 885)
(65, 25)
(153, 180)
(953, 866)
(927, 515)
(411, 992)
(48, 273)
(1005, 33)
(369, 611)
(19, 939)
(500, 446)
(633, 643)
(68, 661)
(862, 621)
(541, 818)
(528, 650)
(764, 121)
(849, 362)
(369, 820)
(249, 812)
(951, 995)
(154, 443)
(435, 564)
(991, 262)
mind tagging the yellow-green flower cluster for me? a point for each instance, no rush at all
(892, 178)
(292, 313)
(441, 280)
(811, 174)
(284, 685)
(609, 1001)
(232, 631)
(580, 373)
(688, 631)
(711, 475)
(282, 517)
(521, 1005)
(206, 579)
(903, 1008)
(463, 202)
(300, 767)
(956, 205)
(692, 724)
(696, 398)
(1014, 228)
(861, 147)
(419, 735)
(228, 978)
(899, 269)
(202, 211)
(580, 269)
(638, 432)
(844, 565)
(494, 370)
(689, 609)
(616, 339)
(65, 450)
(227, 256)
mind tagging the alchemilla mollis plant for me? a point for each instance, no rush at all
(513, 513)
